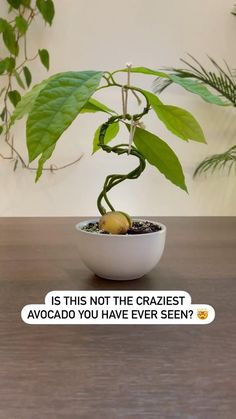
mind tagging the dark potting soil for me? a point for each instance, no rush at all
(138, 227)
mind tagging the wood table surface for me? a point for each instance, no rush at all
(114, 372)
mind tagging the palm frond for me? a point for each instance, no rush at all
(222, 80)
(226, 160)
(162, 84)
(196, 79)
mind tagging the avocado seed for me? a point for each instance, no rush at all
(115, 222)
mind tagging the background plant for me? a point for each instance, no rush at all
(15, 63)
(54, 104)
(197, 79)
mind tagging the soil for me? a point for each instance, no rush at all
(138, 227)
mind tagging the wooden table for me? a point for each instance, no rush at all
(117, 372)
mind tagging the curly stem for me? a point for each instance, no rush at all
(115, 179)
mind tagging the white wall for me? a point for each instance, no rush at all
(105, 35)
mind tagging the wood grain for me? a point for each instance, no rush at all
(114, 372)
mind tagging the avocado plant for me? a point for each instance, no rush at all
(53, 105)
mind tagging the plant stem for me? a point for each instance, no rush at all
(29, 14)
(115, 179)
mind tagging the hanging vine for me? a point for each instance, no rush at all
(15, 73)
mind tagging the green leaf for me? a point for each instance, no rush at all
(180, 123)
(14, 3)
(14, 97)
(10, 39)
(195, 86)
(111, 133)
(7, 65)
(91, 106)
(56, 106)
(3, 24)
(21, 24)
(143, 70)
(3, 113)
(1, 129)
(94, 105)
(26, 3)
(160, 155)
(11, 62)
(46, 8)
(44, 157)
(177, 120)
(153, 99)
(18, 79)
(27, 102)
(3, 65)
(27, 74)
(44, 57)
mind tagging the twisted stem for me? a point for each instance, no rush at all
(115, 179)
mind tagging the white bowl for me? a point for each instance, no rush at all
(120, 257)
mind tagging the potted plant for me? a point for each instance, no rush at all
(114, 246)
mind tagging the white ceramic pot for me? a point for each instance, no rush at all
(120, 257)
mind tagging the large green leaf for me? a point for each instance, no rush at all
(56, 106)
(27, 102)
(197, 87)
(177, 120)
(160, 155)
(91, 106)
(143, 70)
(111, 133)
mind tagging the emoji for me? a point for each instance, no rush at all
(202, 314)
